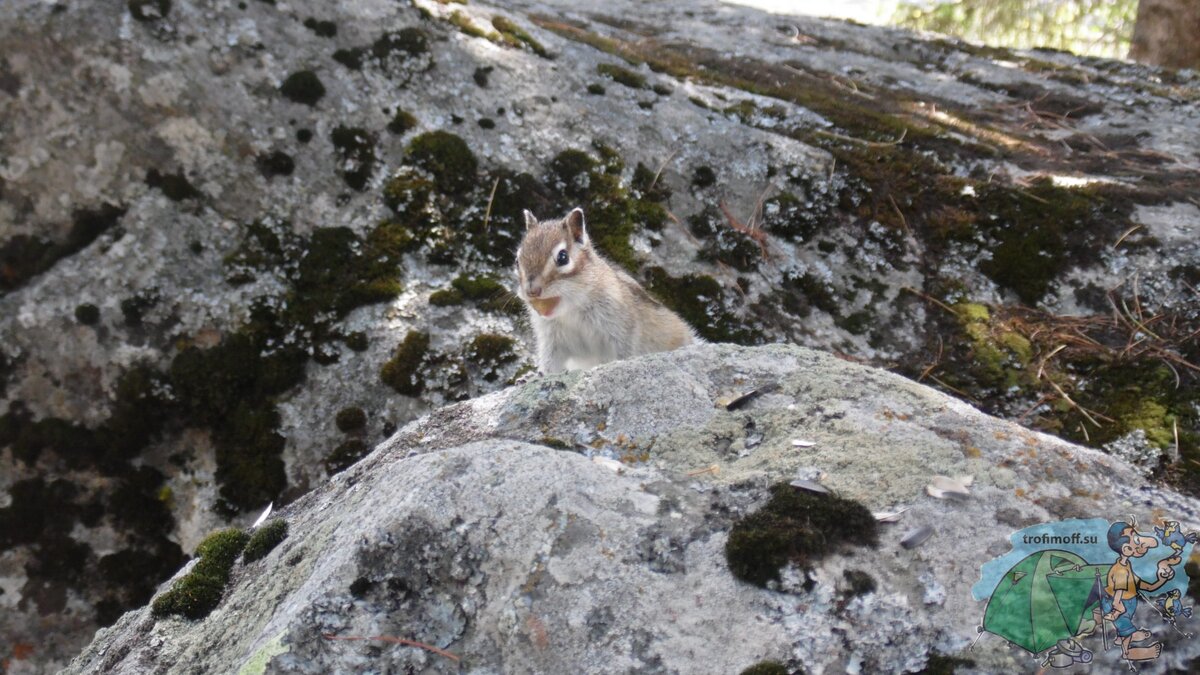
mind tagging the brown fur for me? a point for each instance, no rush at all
(587, 311)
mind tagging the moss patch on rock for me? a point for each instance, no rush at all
(622, 75)
(199, 592)
(795, 527)
(345, 455)
(447, 158)
(23, 257)
(612, 214)
(767, 668)
(484, 291)
(487, 352)
(402, 122)
(516, 36)
(704, 304)
(303, 87)
(403, 372)
(87, 314)
(264, 539)
(351, 419)
(356, 154)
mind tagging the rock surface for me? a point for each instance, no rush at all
(464, 533)
(240, 243)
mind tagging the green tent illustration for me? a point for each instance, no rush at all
(1043, 599)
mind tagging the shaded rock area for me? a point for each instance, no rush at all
(503, 531)
(241, 243)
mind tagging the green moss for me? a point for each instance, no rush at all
(514, 35)
(149, 10)
(403, 371)
(622, 75)
(351, 419)
(87, 314)
(446, 297)
(556, 443)
(356, 341)
(941, 664)
(351, 57)
(1040, 231)
(230, 389)
(447, 158)
(858, 583)
(356, 152)
(175, 186)
(264, 539)
(613, 216)
(326, 29)
(199, 592)
(724, 244)
(766, 668)
(464, 24)
(796, 527)
(488, 352)
(787, 216)
(647, 184)
(390, 50)
(402, 122)
(303, 87)
(496, 240)
(1136, 395)
(134, 308)
(704, 177)
(261, 248)
(339, 272)
(703, 304)
(276, 163)
(485, 291)
(857, 323)
(999, 355)
(345, 455)
(408, 42)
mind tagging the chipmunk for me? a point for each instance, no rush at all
(584, 310)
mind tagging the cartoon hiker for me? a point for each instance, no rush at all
(1120, 599)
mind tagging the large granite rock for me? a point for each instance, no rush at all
(466, 532)
(208, 260)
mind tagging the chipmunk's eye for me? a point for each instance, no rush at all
(562, 258)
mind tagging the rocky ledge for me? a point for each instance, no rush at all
(581, 523)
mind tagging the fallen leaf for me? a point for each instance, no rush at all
(809, 486)
(945, 487)
(916, 537)
(889, 516)
(266, 512)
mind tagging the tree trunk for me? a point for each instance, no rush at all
(1167, 33)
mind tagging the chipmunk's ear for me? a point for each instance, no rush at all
(576, 227)
(530, 221)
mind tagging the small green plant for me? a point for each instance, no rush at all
(265, 539)
(199, 592)
(797, 527)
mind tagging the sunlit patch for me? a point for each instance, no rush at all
(1079, 181)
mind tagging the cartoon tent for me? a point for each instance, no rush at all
(1044, 599)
